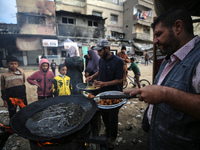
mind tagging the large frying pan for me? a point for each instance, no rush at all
(18, 121)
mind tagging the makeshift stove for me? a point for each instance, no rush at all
(85, 138)
(63, 123)
(66, 122)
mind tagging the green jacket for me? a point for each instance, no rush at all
(134, 67)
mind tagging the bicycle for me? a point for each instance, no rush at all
(143, 82)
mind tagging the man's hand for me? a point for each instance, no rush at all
(5, 104)
(86, 74)
(89, 78)
(152, 94)
(99, 84)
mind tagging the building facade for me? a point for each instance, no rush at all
(138, 16)
(35, 22)
(45, 26)
(111, 11)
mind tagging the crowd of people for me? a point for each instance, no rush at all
(172, 117)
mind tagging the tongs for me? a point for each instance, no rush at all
(125, 96)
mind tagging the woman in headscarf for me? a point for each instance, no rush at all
(93, 63)
(75, 67)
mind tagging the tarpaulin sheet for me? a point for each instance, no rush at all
(28, 43)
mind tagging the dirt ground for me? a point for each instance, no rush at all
(130, 134)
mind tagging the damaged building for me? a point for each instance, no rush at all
(84, 30)
(48, 26)
(35, 22)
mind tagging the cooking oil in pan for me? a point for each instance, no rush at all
(56, 119)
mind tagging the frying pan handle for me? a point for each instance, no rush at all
(117, 96)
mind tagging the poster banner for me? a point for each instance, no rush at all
(49, 43)
(67, 45)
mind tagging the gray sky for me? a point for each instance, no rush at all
(8, 11)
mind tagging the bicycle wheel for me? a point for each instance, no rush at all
(144, 82)
(126, 84)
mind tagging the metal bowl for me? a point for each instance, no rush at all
(124, 101)
(83, 87)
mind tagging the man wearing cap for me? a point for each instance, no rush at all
(110, 79)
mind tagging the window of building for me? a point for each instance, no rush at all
(89, 23)
(96, 13)
(68, 20)
(64, 20)
(36, 20)
(92, 23)
(95, 24)
(114, 18)
(113, 34)
(71, 21)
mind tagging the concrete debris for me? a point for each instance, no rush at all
(128, 127)
(134, 141)
(119, 139)
(128, 102)
(139, 141)
(119, 123)
(138, 116)
(3, 111)
(142, 111)
(14, 148)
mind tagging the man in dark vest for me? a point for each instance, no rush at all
(172, 118)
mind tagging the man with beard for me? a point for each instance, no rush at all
(110, 79)
(172, 118)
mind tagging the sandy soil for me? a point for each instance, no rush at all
(130, 134)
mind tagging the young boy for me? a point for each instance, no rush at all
(13, 86)
(53, 67)
(136, 70)
(61, 83)
(43, 79)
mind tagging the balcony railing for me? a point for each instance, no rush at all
(142, 36)
(146, 3)
(71, 3)
(146, 22)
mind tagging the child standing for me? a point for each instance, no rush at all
(136, 70)
(43, 79)
(13, 85)
(61, 83)
(53, 67)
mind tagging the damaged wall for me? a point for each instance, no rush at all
(80, 28)
(76, 6)
(9, 28)
(36, 17)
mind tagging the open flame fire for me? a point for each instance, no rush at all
(7, 128)
(44, 143)
(17, 102)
